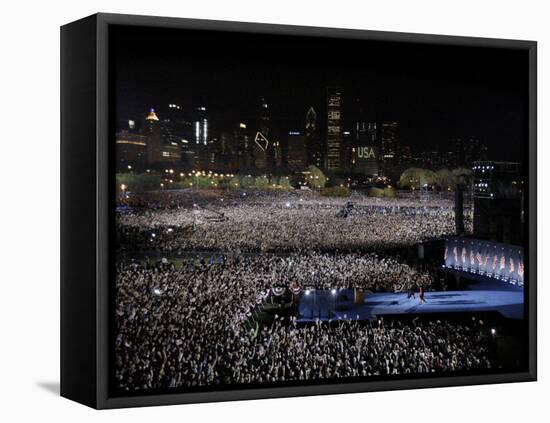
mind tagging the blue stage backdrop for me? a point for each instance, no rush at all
(499, 261)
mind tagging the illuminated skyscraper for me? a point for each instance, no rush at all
(262, 146)
(366, 133)
(264, 124)
(201, 126)
(314, 145)
(388, 145)
(151, 122)
(364, 149)
(243, 148)
(174, 129)
(334, 129)
(178, 131)
(264, 153)
(159, 149)
(153, 133)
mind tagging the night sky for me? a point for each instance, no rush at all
(434, 92)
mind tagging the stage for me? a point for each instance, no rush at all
(481, 295)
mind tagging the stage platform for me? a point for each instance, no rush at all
(482, 295)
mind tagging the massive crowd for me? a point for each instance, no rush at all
(284, 222)
(190, 326)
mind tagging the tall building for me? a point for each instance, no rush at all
(371, 133)
(364, 149)
(243, 156)
(364, 160)
(153, 132)
(261, 148)
(131, 150)
(498, 201)
(278, 154)
(152, 122)
(159, 149)
(179, 131)
(201, 136)
(314, 144)
(225, 145)
(388, 145)
(264, 147)
(264, 122)
(348, 141)
(222, 152)
(296, 151)
(201, 126)
(173, 123)
(334, 129)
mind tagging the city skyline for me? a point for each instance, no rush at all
(435, 94)
(369, 148)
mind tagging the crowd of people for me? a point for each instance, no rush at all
(335, 271)
(253, 222)
(190, 326)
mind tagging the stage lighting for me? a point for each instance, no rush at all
(307, 291)
(493, 331)
(333, 291)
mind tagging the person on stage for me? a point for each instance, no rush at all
(421, 295)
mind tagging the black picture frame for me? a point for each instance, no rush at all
(86, 213)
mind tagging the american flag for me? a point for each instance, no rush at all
(520, 268)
